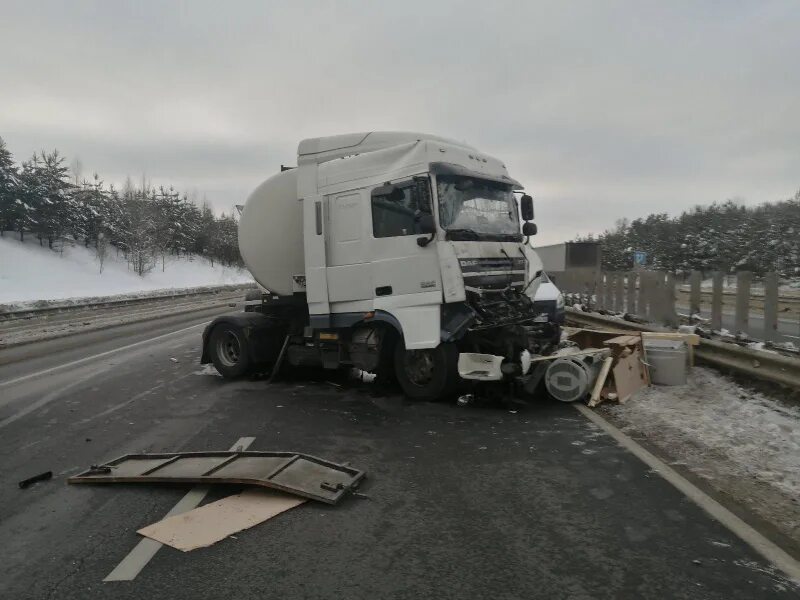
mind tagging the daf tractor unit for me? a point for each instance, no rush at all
(402, 254)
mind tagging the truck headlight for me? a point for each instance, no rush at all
(560, 301)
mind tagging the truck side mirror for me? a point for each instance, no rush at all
(426, 225)
(529, 229)
(526, 207)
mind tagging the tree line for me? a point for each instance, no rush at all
(727, 237)
(39, 198)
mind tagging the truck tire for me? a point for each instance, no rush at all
(430, 374)
(229, 350)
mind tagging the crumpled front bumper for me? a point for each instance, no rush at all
(489, 367)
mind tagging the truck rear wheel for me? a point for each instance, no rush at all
(429, 374)
(229, 350)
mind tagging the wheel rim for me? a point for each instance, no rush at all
(419, 365)
(229, 350)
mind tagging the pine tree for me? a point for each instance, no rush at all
(10, 201)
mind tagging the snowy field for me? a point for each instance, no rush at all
(741, 441)
(29, 272)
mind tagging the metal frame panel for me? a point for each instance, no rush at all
(299, 474)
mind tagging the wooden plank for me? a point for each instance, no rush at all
(594, 400)
(623, 340)
(215, 521)
(592, 338)
(690, 338)
(629, 376)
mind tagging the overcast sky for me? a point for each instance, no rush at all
(603, 109)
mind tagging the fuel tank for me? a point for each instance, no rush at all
(271, 233)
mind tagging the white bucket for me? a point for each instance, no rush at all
(668, 360)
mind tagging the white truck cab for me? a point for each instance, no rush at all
(391, 251)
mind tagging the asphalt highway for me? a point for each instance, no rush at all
(471, 502)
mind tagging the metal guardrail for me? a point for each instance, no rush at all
(767, 366)
(111, 301)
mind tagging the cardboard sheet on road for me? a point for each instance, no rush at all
(215, 521)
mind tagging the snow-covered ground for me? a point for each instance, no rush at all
(29, 272)
(742, 442)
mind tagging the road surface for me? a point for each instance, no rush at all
(473, 502)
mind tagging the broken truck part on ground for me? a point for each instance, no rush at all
(298, 474)
(611, 365)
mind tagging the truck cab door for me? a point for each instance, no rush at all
(405, 275)
(348, 272)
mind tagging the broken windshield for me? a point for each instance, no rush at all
(476, 208)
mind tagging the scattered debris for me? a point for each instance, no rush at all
(210, 523)
(570, 377)
(291, 472)
(97, 470)
(625, 368)
(31, 480)
(466, 399)
(173, 359)
(208, 369)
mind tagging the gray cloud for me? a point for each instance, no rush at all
(603, 110)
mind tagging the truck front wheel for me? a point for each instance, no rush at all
(229, 350)
(429, 374)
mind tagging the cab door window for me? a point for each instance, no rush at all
(396, 209)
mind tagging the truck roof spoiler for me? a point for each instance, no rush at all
(324, 149)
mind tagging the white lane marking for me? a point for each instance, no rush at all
(745, 532)
(95, 356)
(146, 549)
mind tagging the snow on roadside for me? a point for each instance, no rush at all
(29, 272)
(743, 443)
(759, 436)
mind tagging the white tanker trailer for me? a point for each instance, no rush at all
(398, 253)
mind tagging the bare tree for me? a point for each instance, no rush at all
(101, 249)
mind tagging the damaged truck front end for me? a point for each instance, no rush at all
(498, 332)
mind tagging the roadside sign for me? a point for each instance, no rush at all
(639, 258)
